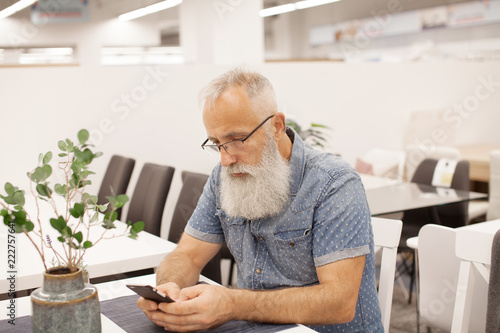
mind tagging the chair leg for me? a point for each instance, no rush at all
(231, 268)
(412, 278)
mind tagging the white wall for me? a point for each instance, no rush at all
(155, 117)
(102, 29)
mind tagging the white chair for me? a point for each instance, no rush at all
(382, 163)
(386, 234)
(438, 270)
(473, 247)
(494, 196)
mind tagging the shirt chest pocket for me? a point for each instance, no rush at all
(234, 233)
(294, 250)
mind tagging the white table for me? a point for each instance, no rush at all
(110, 290)
(473, 248)
(111, 256)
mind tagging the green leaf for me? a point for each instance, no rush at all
(41, 173)
(78, 236)
(62, 145)
(112, 201)
(62, 154)
(40, 158)
(60, 189)
(18, 198)
(319, 125)
(61, 239)
(83, 136)
(87, 244)
(78, 210)
(20, 216)
(47, 157)
(43, 190)
(59, 224)
(70, 145)
(138, 226)
(108, 216)
(94, 217)
(29, 226)
(9, 188)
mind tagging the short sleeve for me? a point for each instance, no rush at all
(204, 224)
(342, 222)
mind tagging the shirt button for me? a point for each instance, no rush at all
(292, 244)
(257, 271)
(261, 239)
(228, 220)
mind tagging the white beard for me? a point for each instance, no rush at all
(264, 190)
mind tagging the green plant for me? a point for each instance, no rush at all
(81, 211)
(314, 135)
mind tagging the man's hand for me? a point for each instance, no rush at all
(196, 308)
(150, 307)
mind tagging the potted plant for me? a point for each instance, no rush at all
(65, 303)
(313, 135)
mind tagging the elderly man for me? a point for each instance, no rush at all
(295, 219)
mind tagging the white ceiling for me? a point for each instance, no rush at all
(342, 10)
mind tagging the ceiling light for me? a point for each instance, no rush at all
(277, 10)
(293, 6)
(312, 3)
(149, 9)
(20, 5)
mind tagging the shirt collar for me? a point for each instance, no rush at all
(297, 161)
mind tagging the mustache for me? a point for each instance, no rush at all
(240, 168)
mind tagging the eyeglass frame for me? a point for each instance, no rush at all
(204, 144)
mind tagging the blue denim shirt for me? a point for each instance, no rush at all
(327, 219)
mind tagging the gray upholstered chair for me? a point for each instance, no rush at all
(192, 187)
(150, 193)
(116, 178)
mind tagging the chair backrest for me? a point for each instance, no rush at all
(452, 215)
(415, 154)
(386, 235)
(150, 193)
(192, 188)
(494, 196)
(117, 178)
(438, 268)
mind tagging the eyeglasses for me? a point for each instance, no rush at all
(232, 147)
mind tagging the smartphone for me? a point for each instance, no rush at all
(151, 293)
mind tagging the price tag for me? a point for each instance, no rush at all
(443, 173)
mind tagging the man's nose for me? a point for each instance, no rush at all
(226, 159)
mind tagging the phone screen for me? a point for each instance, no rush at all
(150, 293)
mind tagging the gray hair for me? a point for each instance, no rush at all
(258, 88)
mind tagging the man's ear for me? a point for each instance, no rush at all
(279, 124)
